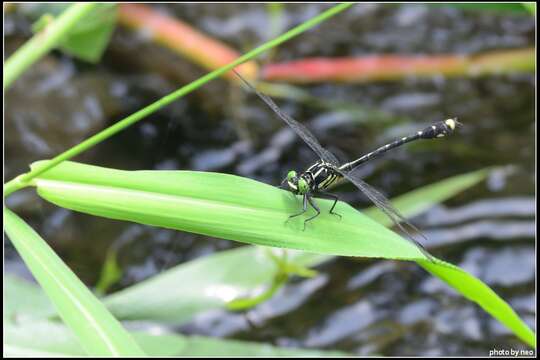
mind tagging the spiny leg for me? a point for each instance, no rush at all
(314, 205)
(303, 210)
(332, 196)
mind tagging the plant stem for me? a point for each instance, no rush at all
(42, 42)
(122, 124)
(183, 39)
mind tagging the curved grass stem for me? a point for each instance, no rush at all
(166, 100)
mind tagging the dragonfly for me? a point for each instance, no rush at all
(327, 171)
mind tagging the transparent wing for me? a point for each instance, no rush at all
(300, 129)
(384, 204)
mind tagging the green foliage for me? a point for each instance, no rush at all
(98, 331)
(40, 337)
(211, 282)
(45, 41)
(530, 6)
(219, 205)
(24, 301)
(88, 38)
(475, 290)
(213, 204)
(110, 273)
(244, 210)
(486, 6)
(420, 200)
(23, 180)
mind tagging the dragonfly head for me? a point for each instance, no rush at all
(297, 184)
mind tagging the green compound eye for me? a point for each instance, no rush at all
(302, 186)
(291, 175)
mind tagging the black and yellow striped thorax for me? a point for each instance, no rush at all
(320, 175)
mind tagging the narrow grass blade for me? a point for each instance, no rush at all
(475, 290)
(98, 332)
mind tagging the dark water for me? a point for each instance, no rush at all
(362, 306)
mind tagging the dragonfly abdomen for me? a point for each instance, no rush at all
(437, 130)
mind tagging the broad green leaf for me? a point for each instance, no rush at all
(178, 294)
(220, 205)
(45, 338)
(88, 39)
(97, 330)
(166, 298)
(244, 210)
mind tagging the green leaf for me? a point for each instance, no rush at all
(43, 42)
(160, 298)
(244, 210)
(205, 346)
(475, 290)
(42, 22)
(32, 50)
(110, 273)
(482, 6)
(211, 282)
(97, 330)
(24, 301)
(219, 205)
(89, 38)
(44, 338)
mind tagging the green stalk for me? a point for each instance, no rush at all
(24, 180)
(44, 41)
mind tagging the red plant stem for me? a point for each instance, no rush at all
(394, 67)
(183, 39)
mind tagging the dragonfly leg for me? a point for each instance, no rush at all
(314, 205)
(331, 196)
(303, 210)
